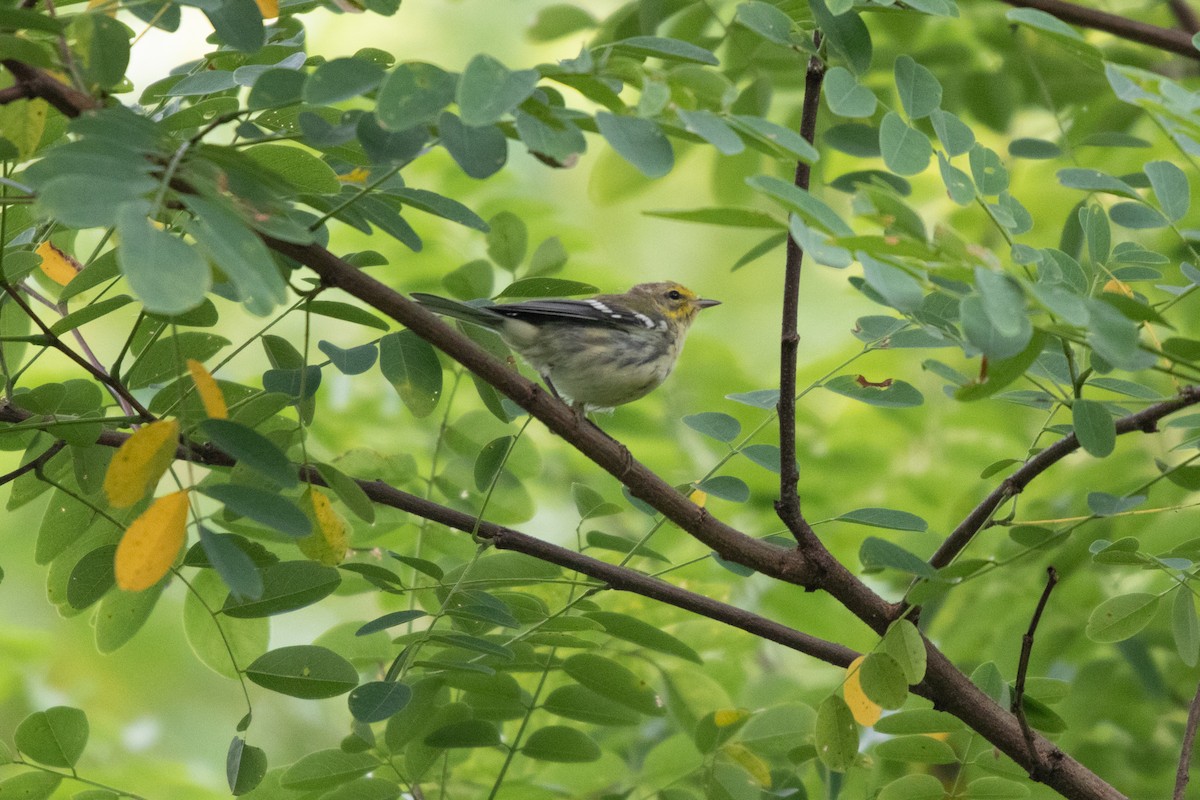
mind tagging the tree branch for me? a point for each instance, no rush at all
(1185, 15)
(1145, 420)
(1168, 39)
(1183, 771)
(1018, 698)
(946, 685)
(611, 575)
(788, 504)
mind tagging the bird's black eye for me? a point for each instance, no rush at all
(674, 295)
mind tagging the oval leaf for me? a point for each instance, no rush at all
(152, 543)
(305, 671)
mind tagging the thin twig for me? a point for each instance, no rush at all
(1018, 698)
(33, 464)
(1185, 15)
(946, 685)
(1183, 771)
(95, 371)
(1145, 420)
(788, 504)
(1168, 39)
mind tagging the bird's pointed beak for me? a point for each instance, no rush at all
(707, 303)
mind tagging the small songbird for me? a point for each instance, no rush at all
(598, 353)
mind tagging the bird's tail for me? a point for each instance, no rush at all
(464, 311)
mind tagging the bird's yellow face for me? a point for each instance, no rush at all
(675, 301)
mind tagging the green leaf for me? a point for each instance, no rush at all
(883, 680)
(88, 313)
(1093, 180)
(846, 34)
(238, 252)
(793, 145)
(168, 275)
(546, 287)
(1002, 372)
(507, 240)
(1033, 149)
(556, 21)
(877, 554)
(1120, 617)
(276, 87)
(287, 586)
(920, 92)
(917, 750)
(340, 79)
(490, 461)
(766, 456)
(664, 48)
(583, 705)
(488, 90)
(305, 671)
(639, 141)
(983, 334)
(345, 312)
(721, 427)
(245, 766)
(467, 733)
(760, 398)
(411, 366)
(846, 96)
(232, 563)
(348, 491)
(55, 737)
(378, 700)
(906, 151)
(1094, 426)
(918, 720)
(389, 620)
(895, 394)
(836, 734)
(238, 23)
(1136, 216)
(300, 169)
(561, 744)
(766, 20)
(92, 577)
(480, 152)
(993, 787)
(987, 170)
(121, 615)
(221, 644)
(1170, 187)
(354, 361)
(904, 643)
(29, 785)
(265, 507)
(885, 518)
(1106, 505)
(252, 450)
(167, 357)
(914, 787)
(730, 217)
(726, 487)
(414, 94)
(1185, 626)
(712, 129)
(643, 634)
(615, 682)
(954, 134)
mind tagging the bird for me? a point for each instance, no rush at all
(595, 353)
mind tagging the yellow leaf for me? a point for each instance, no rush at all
(328, 541)
(356, 175)
(698, 497)
(152, 542)
(1118, 287)
(729, 716)
(760, 773)
(139, 463)
(57, 265)
(864, 710)
(210, 393)
(268, 8)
